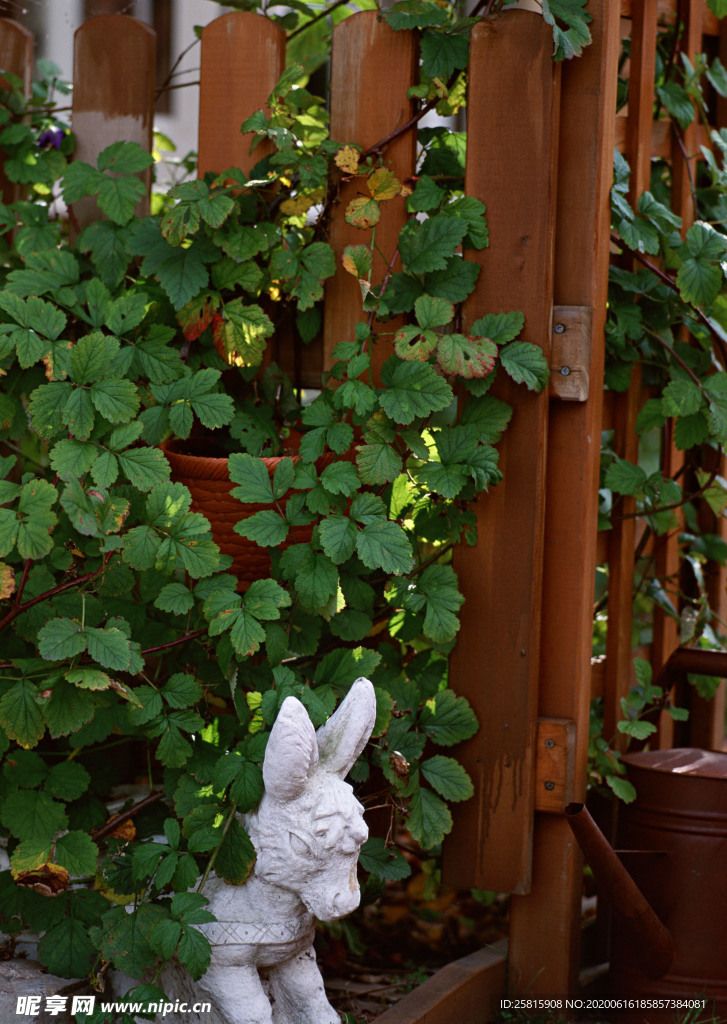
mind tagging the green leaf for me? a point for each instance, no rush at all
(253, 479)
(378, 463)
(182, 690)
(526, 364)
(144, 467)
(265, 598)
(340, 478)
(20, 716)
(109, 647)
(338, 537)
(175, 598)
(438, 585)
(414, 14)
(66, 949)
(625, 478)
(67, 780)
(124, 938)
(622, 788)
(499, 327)
(442, 54)
(71, 458)
(411, 390)
(60, 639)
(429, 819)
(383, 861)
(116, 400)
(448, 719)
(448, 777)
(118, 198)
(67, 709)
(194, 950)
(316, 580)
(426, 246)
(569, 21)
(124, 158)
(78, 414)
(247, 787)
(384, 545)
(32, 814)
(77, 853)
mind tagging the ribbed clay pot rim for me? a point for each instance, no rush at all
(206, 467)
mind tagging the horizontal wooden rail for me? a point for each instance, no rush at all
(465, 991)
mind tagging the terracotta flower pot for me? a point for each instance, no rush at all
(209, 484)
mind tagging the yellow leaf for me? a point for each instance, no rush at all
(383, 184)
(347, 159)
(296, 205)
(7, 581)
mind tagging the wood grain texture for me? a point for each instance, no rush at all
(513, 126)
(16, 56)
(371, 69)
(114, 72)
(242, 59)
(545, 924)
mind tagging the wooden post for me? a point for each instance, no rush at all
(511, 165)
(243, 57)
(372, 66)
(16, 56)
(545, 925)
(114, 71)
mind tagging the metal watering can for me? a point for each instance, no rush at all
(667, 885)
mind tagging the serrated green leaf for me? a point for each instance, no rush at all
(499, 327)
(448, 777)
(252, 477)
(448, 719)
(20, 716)
(32, 814)
(77, 853)
(443, 54)
(526, 364)
(66, 949)
(429, 819)
(383, 861)
(384, 545)
(109, 647)
(428, 245)
(61, 638)
(67, 781)
(411, 390)
(175, 598)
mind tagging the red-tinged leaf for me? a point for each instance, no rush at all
(363, 212)
(466, 356)
(411, 343)
(197, 315)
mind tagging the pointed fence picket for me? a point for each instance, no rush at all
(541, 139)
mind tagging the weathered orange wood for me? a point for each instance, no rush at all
(371, 69)
(114, 71)
(685, 148)
(513, 124)
(16, 56)
(545, 924)
(619, 654)
(242, 59)
(466, 991)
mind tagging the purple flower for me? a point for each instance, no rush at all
(51, 137)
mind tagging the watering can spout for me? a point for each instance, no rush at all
(651, 938)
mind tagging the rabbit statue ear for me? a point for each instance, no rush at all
(292, 752)
(346, 732)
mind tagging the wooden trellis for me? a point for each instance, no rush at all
(540, 145)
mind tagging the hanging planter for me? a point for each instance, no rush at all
(208, 480)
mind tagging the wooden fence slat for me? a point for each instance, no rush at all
(513, 125)
(16, 56)
(545, 924)
(627, 404)
(372, 66)
(466, 991)
(114, 62)
(242, 59)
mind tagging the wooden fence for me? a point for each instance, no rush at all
(540, 155)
